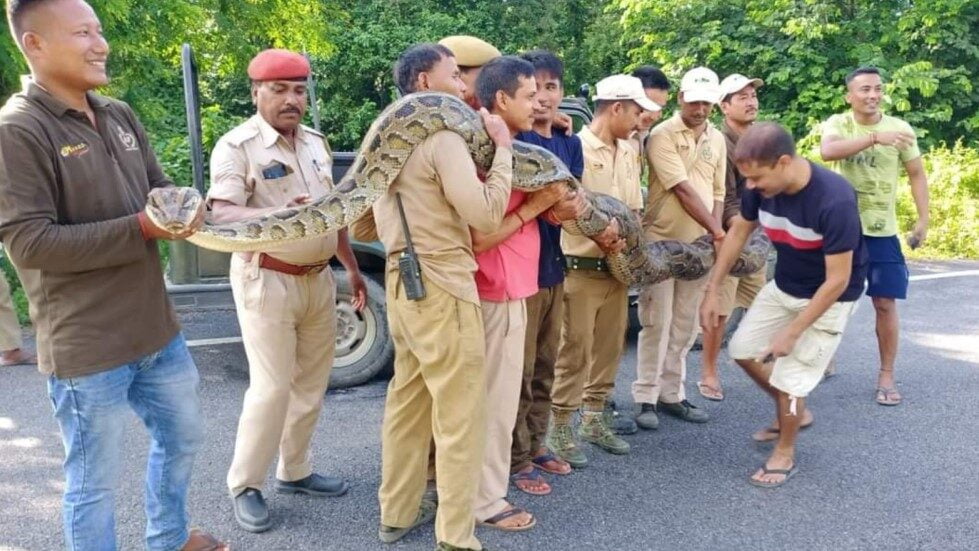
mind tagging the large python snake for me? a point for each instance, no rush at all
(385, 149)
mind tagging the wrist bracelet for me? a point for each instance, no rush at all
(517, 214)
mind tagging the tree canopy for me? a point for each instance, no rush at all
(802, 48)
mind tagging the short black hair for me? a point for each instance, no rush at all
(763, 144)
(501, 73)
(17, 10)
(416, 60)
(545, 62)
(652, 77)
(861, 71)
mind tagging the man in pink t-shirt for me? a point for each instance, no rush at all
(508, 262)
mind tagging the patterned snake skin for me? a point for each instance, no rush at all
(384, 151)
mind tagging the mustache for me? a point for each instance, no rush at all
(289, 110)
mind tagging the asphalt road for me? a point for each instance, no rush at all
(870, 477)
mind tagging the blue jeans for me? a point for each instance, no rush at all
(92, 412)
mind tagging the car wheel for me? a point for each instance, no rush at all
(363, 343)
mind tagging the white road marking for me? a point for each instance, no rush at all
(963, 273)
(213, 342)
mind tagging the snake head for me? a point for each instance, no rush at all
(173, 208)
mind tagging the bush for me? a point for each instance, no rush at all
(953, 184)
(16, 292)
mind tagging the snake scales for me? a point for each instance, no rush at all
(385, 149)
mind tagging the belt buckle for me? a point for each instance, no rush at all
(315, 269)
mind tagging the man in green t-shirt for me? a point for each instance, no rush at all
(869, 148)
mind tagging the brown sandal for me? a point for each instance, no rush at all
(494, 521)
(200, 540)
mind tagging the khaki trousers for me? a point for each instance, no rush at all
(505, 324)
(288, 325)
(10, 337)
(438, 390)
(668, 314)
(544, 316)
(592, 339)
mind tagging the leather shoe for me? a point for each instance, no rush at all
(684, 410)
(251, 512)
(647, 419)
(314, 485)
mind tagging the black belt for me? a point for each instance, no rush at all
(585, 263)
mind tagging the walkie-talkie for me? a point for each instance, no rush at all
(409, 268)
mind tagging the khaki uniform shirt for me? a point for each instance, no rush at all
(442, 197)
(248, 151)
(69, 196)
(612, 173)
(676, 156)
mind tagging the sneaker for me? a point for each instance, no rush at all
(593, 429)
(251, 512)
(619, 423)
(684, 410)
(391, 534)
(647, 418)
(561, 441)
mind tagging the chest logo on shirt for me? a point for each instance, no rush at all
(707, 153)
(76, 150)
(127, 140)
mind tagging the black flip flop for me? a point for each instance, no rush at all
(789, 473)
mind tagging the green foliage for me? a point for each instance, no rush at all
(16, 292)
(804, 48)
(356, 82)
(953, 183)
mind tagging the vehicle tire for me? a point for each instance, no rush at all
(364, 347)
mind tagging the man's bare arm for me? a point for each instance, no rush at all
(695, 208)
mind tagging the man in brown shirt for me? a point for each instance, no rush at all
(438, 388)
(75, 171)
(285, 295)
(686, 187)
(739, 104)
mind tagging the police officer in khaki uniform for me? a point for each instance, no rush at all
(688, 161)
(285, 296)
(439, 384)
(10, 337)
(595, 303)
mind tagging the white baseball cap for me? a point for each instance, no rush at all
(624, 87)
(737, 82)
(700, 84)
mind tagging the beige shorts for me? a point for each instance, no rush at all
(740, 292)
(798, 373)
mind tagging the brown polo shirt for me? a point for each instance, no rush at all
(69, 195)
(733, 181)
(442, 198)
(675, 156)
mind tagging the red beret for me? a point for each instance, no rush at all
(278, 65)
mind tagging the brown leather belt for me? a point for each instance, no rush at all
(276, 265)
